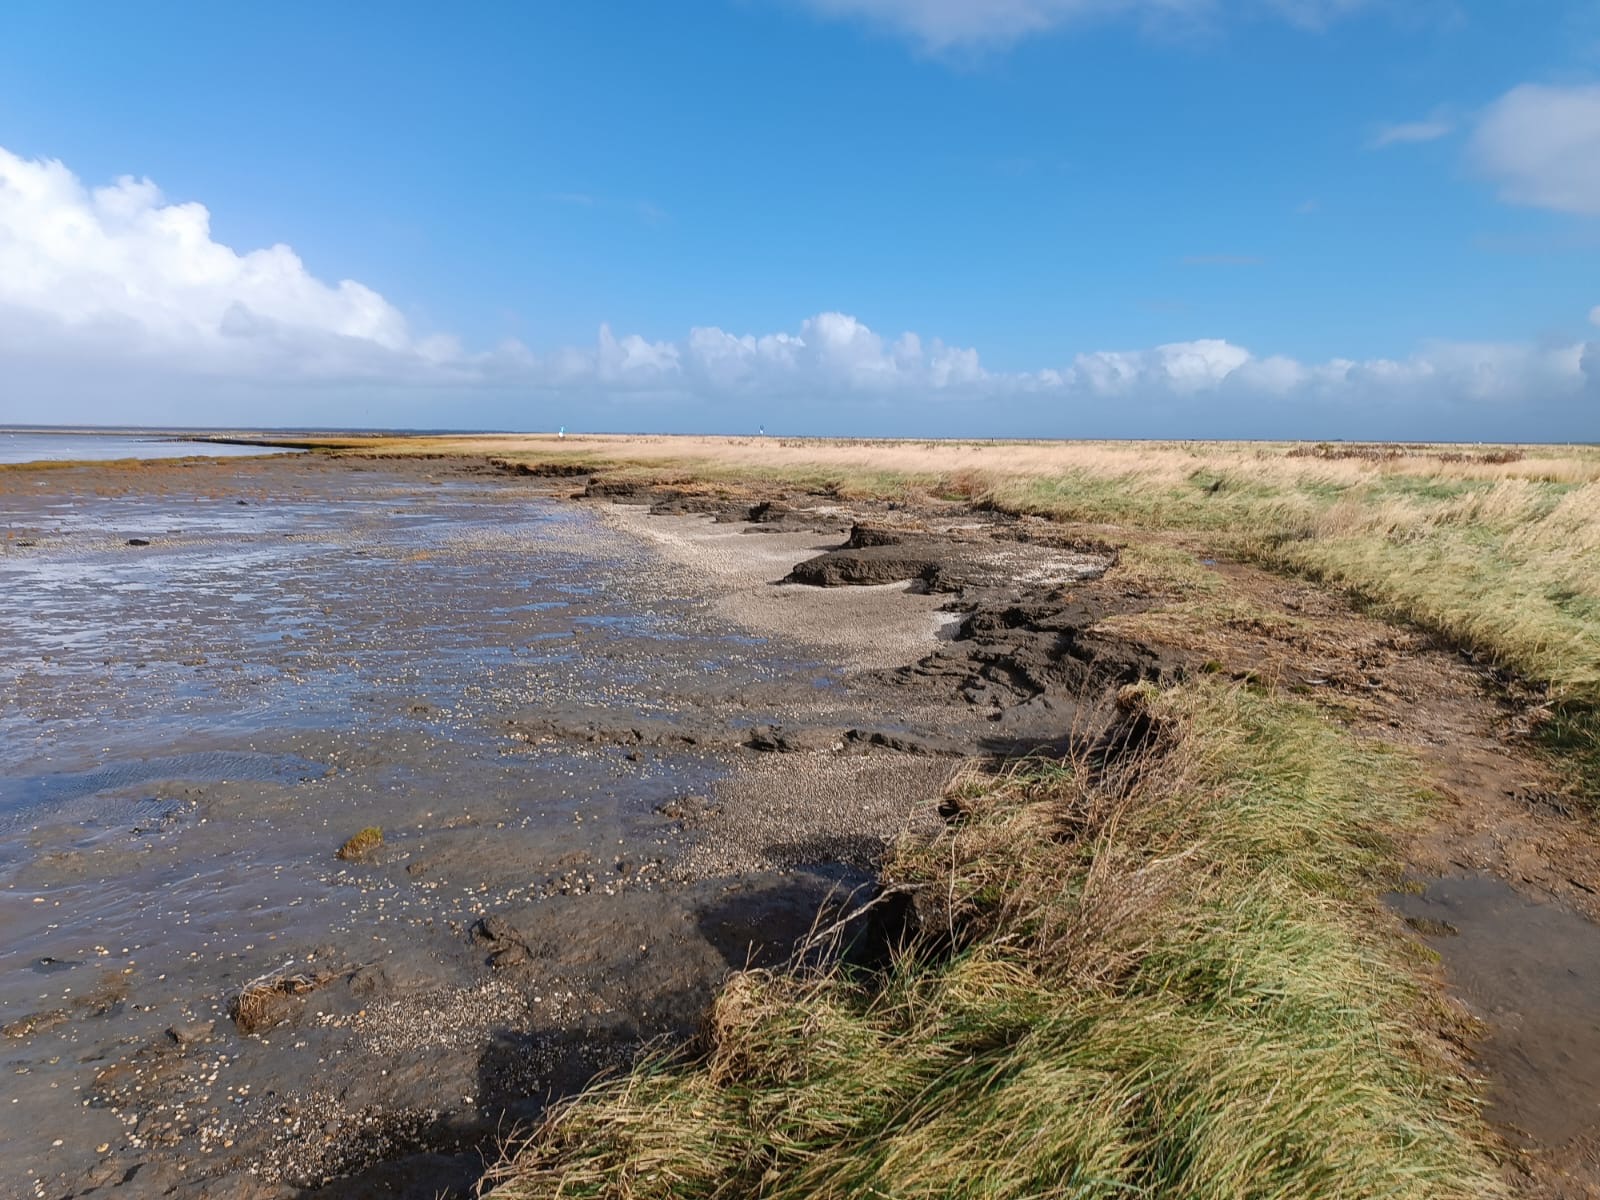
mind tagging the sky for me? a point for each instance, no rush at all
(1009, 218)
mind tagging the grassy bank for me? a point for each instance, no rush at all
(1172, 980)
(1504, 557)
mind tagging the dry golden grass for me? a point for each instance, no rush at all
(1154, 462)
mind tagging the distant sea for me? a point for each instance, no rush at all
(29, 446)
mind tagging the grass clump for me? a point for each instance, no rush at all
(361, 844)
(1172, 978)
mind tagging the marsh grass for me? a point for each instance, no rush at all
(64, 464)
(1508, 567)
(1171, 979)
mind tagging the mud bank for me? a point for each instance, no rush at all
(1515, 937)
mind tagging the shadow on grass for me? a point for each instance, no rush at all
(1572, 733)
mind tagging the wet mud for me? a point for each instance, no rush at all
(1529, 971)
(1533, 971)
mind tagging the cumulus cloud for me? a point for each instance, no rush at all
(1182, 368)
(119, 306)
(841, 373)
(121, 265)
(939, 25)
(1541, 145)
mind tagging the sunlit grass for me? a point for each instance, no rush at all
(1175, 981)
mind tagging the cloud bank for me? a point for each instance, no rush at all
(117, 306)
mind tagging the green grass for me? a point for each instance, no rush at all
(1176, 981)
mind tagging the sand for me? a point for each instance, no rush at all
(737, 568)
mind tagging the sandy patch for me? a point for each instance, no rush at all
(862, 627)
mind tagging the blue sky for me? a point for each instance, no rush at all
(1022, 217)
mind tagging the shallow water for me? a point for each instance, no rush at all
(23, 447)
(190, 727)
(1533, 970)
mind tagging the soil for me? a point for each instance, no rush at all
(746, 697)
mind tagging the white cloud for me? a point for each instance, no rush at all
(119, 270)
(623, 360)
(117, 306)
(1413, 132)
(1541, 145)
(939, 25)
(1181, 368)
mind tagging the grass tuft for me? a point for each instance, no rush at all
(1173, 978)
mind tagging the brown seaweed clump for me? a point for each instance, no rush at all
(361, 845)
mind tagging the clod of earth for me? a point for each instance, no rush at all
(506, 945)
(191, 1031)
(34, 1023)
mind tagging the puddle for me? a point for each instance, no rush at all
(21, 792)
(1532, 971)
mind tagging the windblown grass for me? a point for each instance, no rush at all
(1174, 979)
(1502, 558)
(1509, 566)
